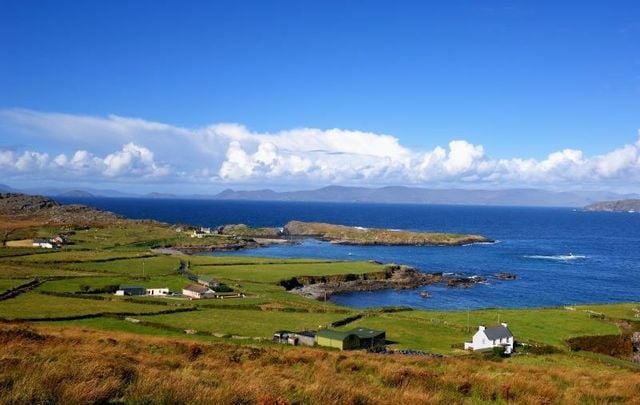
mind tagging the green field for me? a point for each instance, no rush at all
(272, 273)
(6, 283)
(35, 305)
(255, 323)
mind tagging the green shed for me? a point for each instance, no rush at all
(359, 338)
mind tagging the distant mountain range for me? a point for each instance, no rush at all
(413, 195)
(387, 195)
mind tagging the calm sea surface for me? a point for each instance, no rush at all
(559, 255)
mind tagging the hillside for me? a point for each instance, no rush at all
(630, 205)
(16, 207)
(47, 364)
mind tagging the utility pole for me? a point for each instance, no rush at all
(143, 268)
(325, 298)
(468, 320)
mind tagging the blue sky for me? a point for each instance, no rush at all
(520, 80)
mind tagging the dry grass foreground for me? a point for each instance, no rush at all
(53, 365)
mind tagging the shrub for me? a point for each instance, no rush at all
(611, 345)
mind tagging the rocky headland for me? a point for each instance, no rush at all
(398, 277)
(630, 205)
(16, 207)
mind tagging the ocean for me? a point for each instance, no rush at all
(560, 256)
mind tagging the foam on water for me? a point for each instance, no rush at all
(562, 258)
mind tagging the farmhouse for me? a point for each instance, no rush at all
(130, 290)
(197, 234)
(359, 338)
(196, 291)
(488, 338)
(43, 243)
(207, 281)
(157, 291)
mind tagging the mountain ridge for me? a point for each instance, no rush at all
(384, 195)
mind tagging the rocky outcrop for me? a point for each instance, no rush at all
(505, 276)
(23, 204)
(244, 230)
(45, 210)
(397, 277)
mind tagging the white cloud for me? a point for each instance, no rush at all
(117, 147)
(132, 161)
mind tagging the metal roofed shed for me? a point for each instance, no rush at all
(359, 338)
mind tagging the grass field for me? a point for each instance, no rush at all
(35, 305)
(255, 323)
(272, 273)
(6, 284)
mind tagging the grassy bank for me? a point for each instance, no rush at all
(66, 365)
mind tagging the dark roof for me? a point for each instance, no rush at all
(196, 288)
(306, 333)
(367, 333)
(362, 333)
(333, 334)
(498, 332)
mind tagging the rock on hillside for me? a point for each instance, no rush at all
(23, 206)
(615, 206)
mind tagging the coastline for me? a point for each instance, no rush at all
(397, 277)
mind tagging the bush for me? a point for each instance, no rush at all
(611, 345)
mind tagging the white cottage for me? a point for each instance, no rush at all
(196, 291)
(488, 338)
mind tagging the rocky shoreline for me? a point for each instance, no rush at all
(397, 277)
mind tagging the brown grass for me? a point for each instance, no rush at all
(46, 364)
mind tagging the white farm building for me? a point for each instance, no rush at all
(488, 338)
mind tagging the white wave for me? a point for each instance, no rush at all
(481, 243)
(361, 228)
(562, 258)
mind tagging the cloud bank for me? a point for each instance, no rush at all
(115, 148)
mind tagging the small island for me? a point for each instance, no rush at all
(353, 235)
(630, 205)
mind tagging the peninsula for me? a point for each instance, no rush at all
(629, 205)
(350, 235)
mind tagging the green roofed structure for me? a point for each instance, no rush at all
(359, 338)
